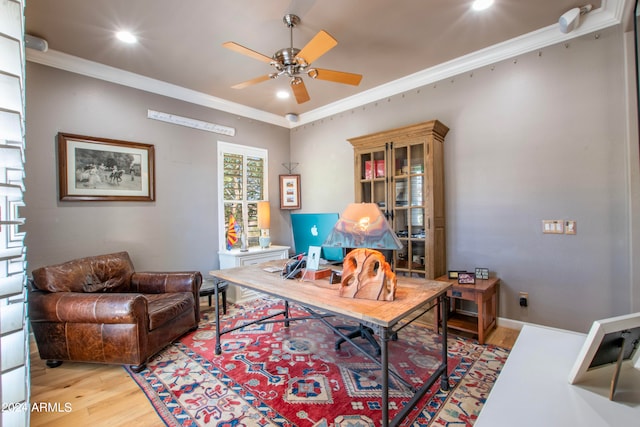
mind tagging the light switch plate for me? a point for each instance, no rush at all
(553, 226)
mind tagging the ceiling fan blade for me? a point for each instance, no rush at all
(336, 76)
(318, 46)
(251, 82)
(300, 92)
(246, 51)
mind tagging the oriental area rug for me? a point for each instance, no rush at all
(270, 375)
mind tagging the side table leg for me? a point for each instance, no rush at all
(482, 308)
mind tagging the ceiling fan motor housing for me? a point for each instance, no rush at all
(286, 56)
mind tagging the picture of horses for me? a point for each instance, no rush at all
(99, 169)
(107, 170)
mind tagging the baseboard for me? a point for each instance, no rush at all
(503, 322)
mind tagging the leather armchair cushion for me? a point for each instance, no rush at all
(102, 273)
(164, 308)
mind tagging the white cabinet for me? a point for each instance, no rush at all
(533, 388)
(254, 255)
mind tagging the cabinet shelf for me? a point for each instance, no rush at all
(463, 322)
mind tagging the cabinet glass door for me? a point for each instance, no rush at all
(408, 208)
(373, 178)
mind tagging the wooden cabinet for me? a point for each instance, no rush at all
(402, 170)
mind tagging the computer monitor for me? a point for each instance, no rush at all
(311, 229)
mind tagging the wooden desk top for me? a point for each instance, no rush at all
(411, 293)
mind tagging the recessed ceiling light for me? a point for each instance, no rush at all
(126, 37)
(282, 94)
(481, 4)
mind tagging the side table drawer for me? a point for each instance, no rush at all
(466, 294)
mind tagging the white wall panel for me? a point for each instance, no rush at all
(12, 318)
(12, 354)
(10, 58)
(10, 126)
(14, 345)
(10, 93)
(11, 18)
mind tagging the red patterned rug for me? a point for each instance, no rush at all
(269, 375)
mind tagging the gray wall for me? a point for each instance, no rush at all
(541, 136)
(178, 230)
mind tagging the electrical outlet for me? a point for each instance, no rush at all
(570, 227)
(524, 299)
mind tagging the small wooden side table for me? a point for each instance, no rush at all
(484, 293)
(208, 289)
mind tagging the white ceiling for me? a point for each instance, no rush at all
(396, 46)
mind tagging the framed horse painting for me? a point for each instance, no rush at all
(100, 169)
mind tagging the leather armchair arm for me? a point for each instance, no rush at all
(163, 282)
(86, 307)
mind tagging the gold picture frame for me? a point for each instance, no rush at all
(290, 192)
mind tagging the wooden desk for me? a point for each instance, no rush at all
(413, 298)
(484, 293)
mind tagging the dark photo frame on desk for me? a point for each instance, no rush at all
(453, 274)
(467, 278)
(482, 273)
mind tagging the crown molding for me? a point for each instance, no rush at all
(609, 14)
(74, 64)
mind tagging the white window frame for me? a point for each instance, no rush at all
(244, 150)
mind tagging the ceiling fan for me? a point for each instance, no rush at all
(293, 62)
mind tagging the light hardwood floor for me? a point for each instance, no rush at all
(105, 395)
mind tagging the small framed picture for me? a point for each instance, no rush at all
(453, 274)
(466, 278)
(289, 191)
(482, 273)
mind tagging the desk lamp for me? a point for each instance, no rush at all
(365, 272)
(264, 223)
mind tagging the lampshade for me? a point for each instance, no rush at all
(264, 215)
(362, 225)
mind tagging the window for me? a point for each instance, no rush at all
(242, 183)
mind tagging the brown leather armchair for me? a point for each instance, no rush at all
(98, 309)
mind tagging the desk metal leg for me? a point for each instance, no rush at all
(384, 359)
(286, 313)
(218, 349)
